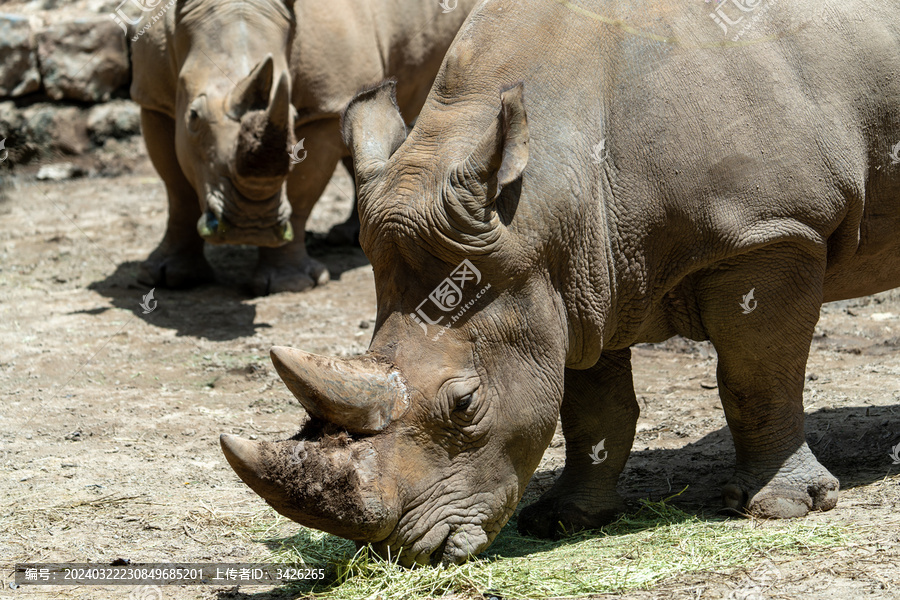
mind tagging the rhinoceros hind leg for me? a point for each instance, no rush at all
(347, 233)
(762, 339)
(178, 261)
(599, 413)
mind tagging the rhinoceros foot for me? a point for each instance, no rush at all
(175, 268)
(556, 517)
(272, 277)
(794, 489)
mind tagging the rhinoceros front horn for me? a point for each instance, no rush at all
(332, 489)
(360, 394)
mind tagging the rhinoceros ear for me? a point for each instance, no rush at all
(502, 153)
(373, 128)
(252, 92)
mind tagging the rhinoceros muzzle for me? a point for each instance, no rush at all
(253, 212)
(217, 230)
(331, 476)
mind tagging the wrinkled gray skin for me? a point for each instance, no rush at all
(726, 167)
(227, 87)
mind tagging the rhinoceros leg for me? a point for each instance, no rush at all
(178, 261)
(598, 406)
(289, 268)
(347, 233)
(763, 345)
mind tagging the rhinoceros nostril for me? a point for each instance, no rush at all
(285, 232)
(208, 224)
(437, 557)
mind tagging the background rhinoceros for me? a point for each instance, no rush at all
(583, 177)
(228, 87)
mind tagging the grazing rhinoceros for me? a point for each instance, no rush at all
(216, 80)
(585, 176)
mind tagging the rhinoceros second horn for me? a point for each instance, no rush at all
(359, 394)
(279, 109)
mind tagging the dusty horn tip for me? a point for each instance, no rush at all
(243, 456)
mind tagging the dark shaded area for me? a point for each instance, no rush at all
(218, 311)
(852, 442)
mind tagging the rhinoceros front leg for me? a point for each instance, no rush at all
(289, 268)
(178, 261)
(599, 413)
(763, 342)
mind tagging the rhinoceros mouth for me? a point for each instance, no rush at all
(418, 539)
(442, 544)
(218, 230)
(232, 218)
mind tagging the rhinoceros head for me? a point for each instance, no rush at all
(234, 120)
(424, 445)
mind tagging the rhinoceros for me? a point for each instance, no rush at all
(584, 176)
(228, 87)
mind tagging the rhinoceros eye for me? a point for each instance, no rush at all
(464, 402)
(194, 112)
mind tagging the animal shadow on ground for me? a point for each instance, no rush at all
(854, 443)
(217, 311)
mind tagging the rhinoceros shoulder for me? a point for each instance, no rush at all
(154, 73)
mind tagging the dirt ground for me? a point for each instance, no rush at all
(109, 418)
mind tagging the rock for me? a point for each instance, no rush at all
(83, 59)
(52, 128)
(36, 5)
(19, 73)
(117, 119)
(11, 120)
(61, 172)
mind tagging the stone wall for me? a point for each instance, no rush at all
(64, 77)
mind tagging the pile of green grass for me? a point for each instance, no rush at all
(639, 549)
